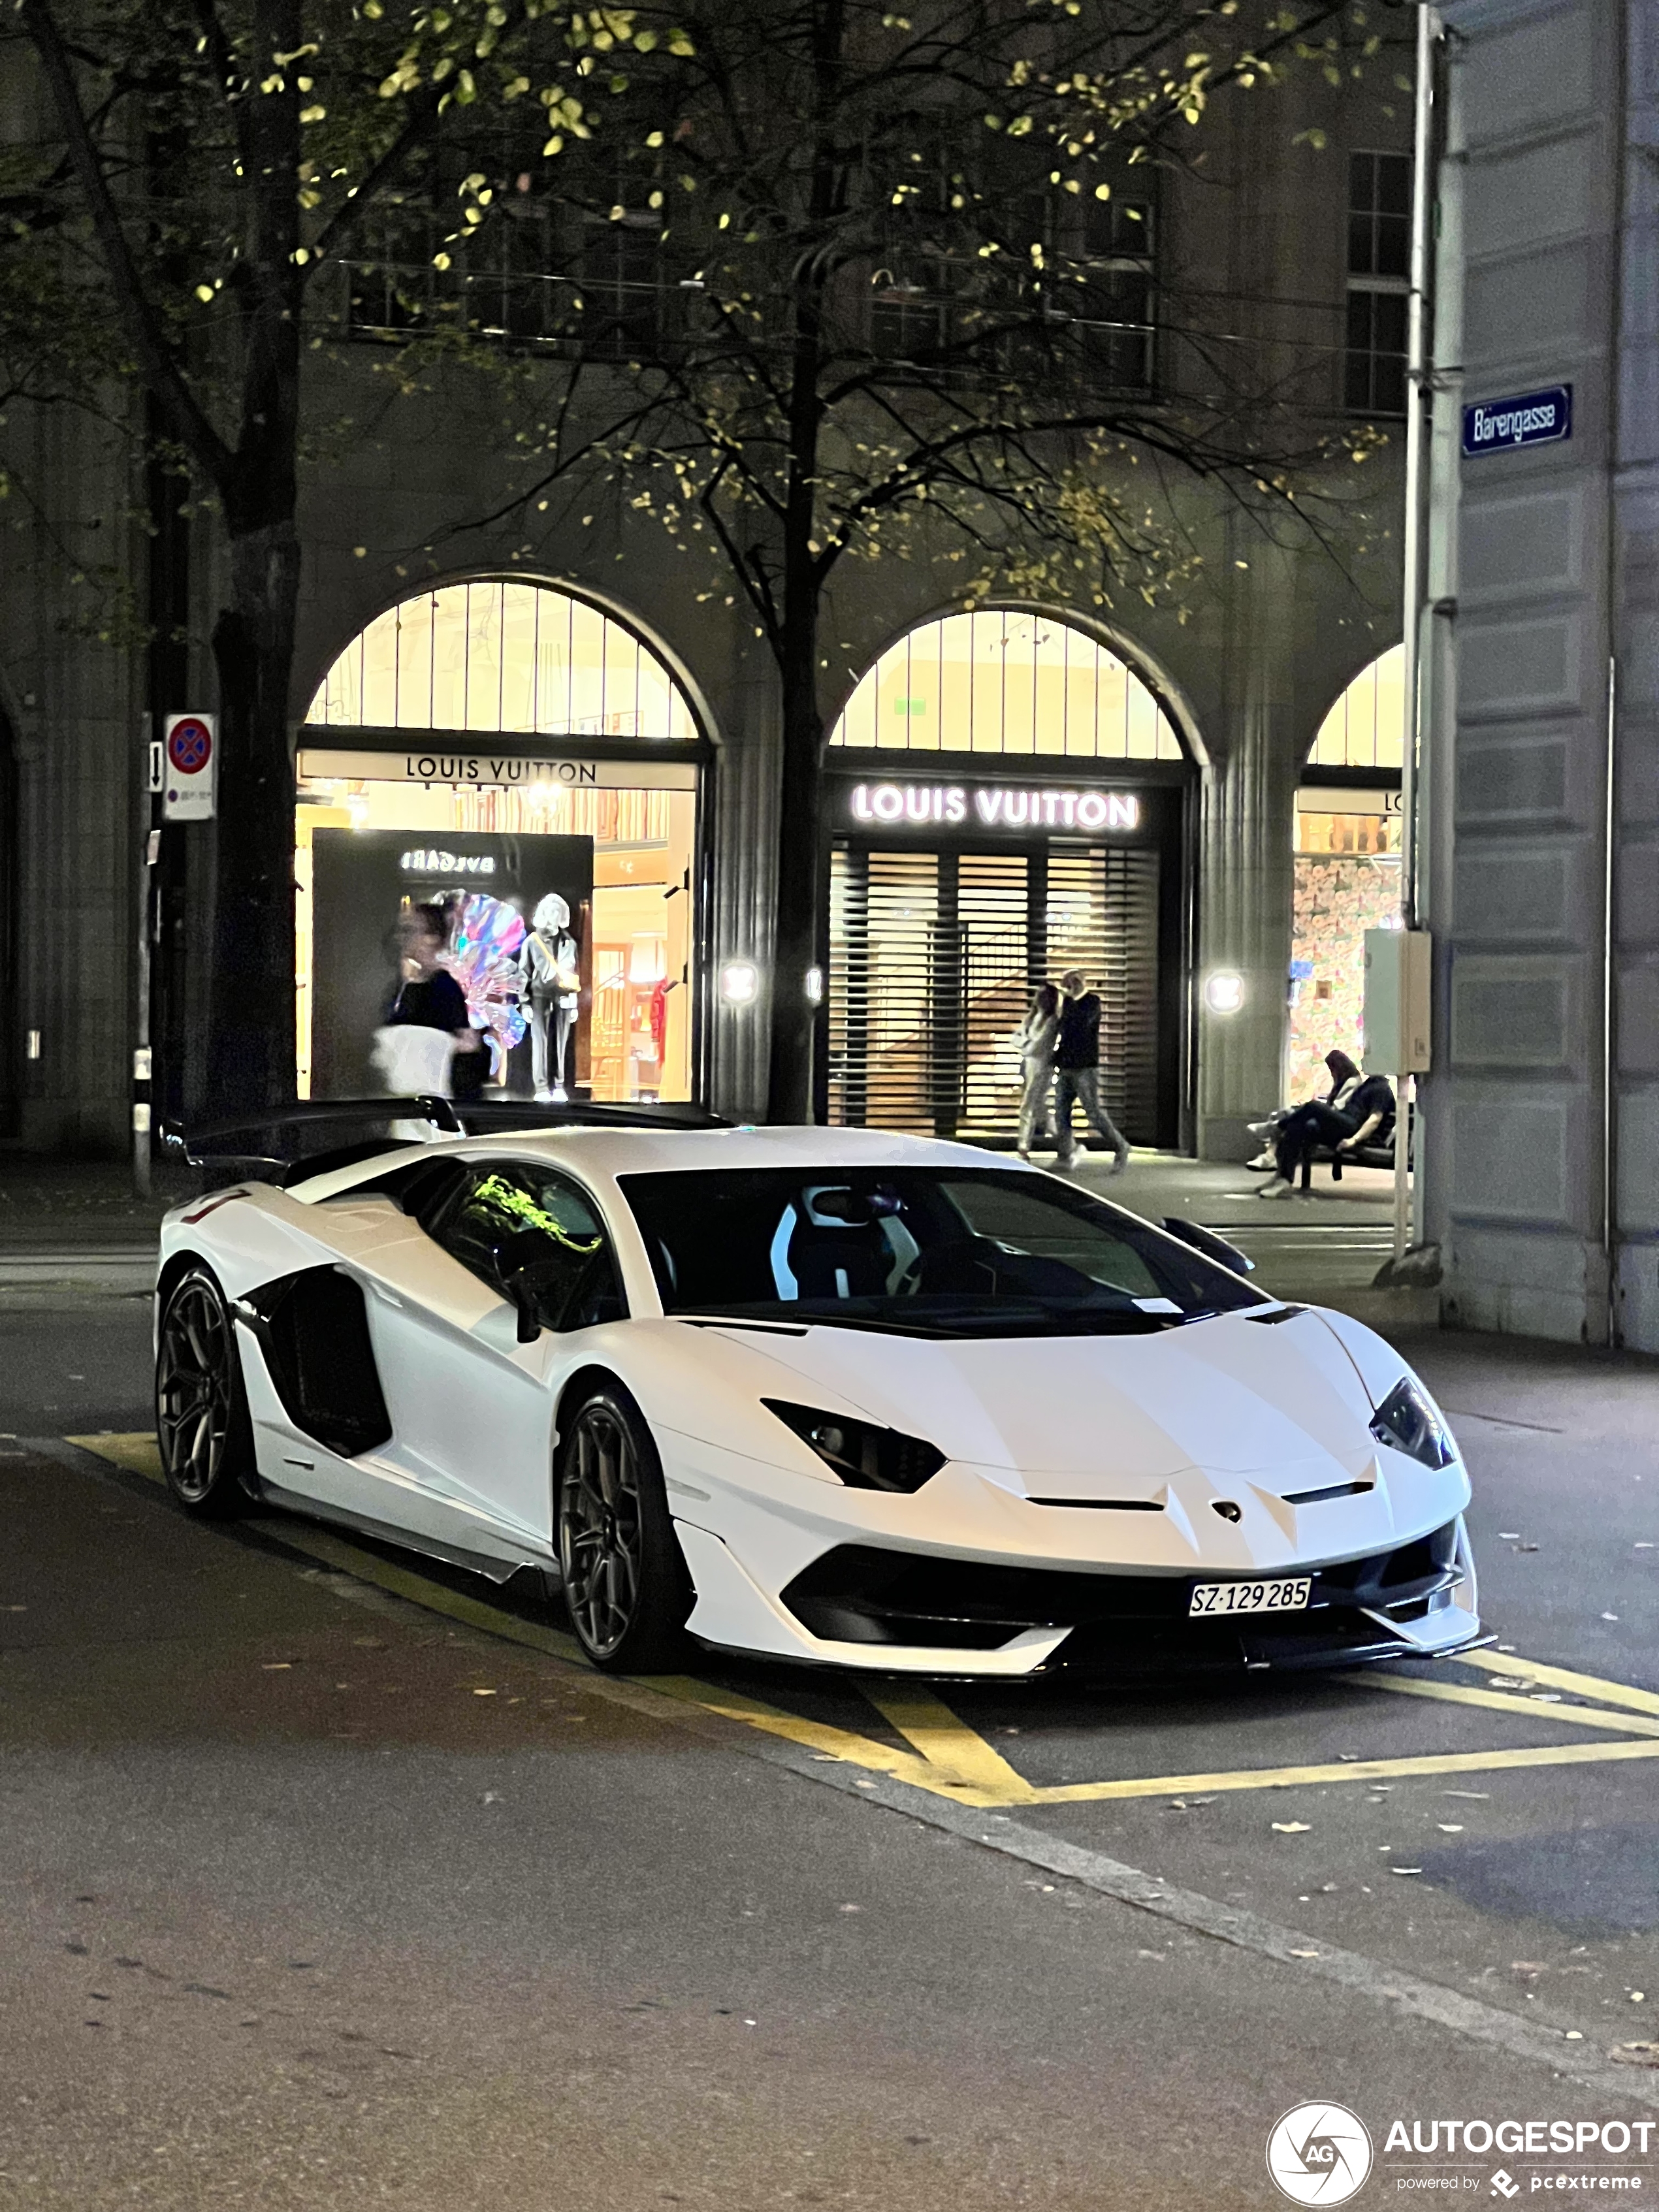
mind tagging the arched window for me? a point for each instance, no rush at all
(1000, 681)
(504, 656)
(1366, 727)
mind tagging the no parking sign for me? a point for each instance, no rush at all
(189, 767)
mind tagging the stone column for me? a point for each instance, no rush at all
(1245, 869)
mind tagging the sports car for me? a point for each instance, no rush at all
(828, 1395)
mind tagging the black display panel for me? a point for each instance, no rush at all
(492, 885)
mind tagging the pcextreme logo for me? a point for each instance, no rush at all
(1319, 2154)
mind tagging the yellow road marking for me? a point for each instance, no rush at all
(1561, 1678)
(1500, 1701)
(1374, 1770)
(949, 1745)
(948, 1759)
(833, 1742)
(409, 1582)
(139, 1455)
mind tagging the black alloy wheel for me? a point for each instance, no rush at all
(201, 1409)
(625, 1581)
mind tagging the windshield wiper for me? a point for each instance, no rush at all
(1009, 1317)
(1000, 1317)
(739, 1321)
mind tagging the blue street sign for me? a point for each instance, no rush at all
(1534, 419)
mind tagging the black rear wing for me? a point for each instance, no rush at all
(289, 1143)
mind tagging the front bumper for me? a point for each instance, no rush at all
(884, 1609)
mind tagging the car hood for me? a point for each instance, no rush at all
(1103, 1416)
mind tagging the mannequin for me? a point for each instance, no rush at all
(549, 965)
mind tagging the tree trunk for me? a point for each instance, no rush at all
(789, 1079)
(789, 1075)
(251, 1066)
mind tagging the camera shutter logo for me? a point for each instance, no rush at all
(1319, 2154)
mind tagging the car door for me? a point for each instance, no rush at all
(472, 1405)
(324, 1416)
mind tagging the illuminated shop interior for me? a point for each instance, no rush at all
(959, 885)
(467, 662)
(1348, 869)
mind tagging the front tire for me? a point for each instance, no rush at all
(201, 1420)
(626, 1585)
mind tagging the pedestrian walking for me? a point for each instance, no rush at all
(1037, 1039)
(427, 1032)
(1077, 1071)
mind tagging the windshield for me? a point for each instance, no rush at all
(951, 1252)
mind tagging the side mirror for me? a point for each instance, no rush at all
(1212, 1246)
(522, 1293)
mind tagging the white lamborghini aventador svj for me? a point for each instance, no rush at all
(831, 1395)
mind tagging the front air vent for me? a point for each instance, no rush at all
(1332, 1490)
(1103, 1504)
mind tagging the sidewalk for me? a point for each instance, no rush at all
(49, 1205)
(79, 1223)
(1326, 1247)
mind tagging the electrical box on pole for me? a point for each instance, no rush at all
(1397, 1032)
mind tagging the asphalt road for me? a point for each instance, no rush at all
(330, 1879)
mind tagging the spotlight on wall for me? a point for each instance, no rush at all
(739, 983)
(815, 987)
(1224, 991)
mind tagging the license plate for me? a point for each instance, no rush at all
(1251, 1597)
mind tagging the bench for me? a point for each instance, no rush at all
(1371, 1154)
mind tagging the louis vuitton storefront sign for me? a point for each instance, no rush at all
(993, 807)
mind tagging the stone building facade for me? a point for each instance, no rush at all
(1263, 235)
(1542, 749)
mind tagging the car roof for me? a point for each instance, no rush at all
(611, 1151)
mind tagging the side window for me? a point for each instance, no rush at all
(512, 1219)
(423, 1190)
(1047, 1232)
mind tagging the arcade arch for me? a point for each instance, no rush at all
(523, 757)
(1007, 798)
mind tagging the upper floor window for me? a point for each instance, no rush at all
(1064, 301)
(1379, 259)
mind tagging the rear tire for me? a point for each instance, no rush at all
(202, 1421)
(626, 1585)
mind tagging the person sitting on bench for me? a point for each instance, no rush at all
(1366, 1116)
(1345, 1079)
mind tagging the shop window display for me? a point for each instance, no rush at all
(626, 938)
(1347, 868)
(1338, 898)
(565, 884)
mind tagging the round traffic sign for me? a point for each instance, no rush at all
(190, 745)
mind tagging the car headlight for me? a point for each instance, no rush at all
(863, 1456)
(1406, 1421)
